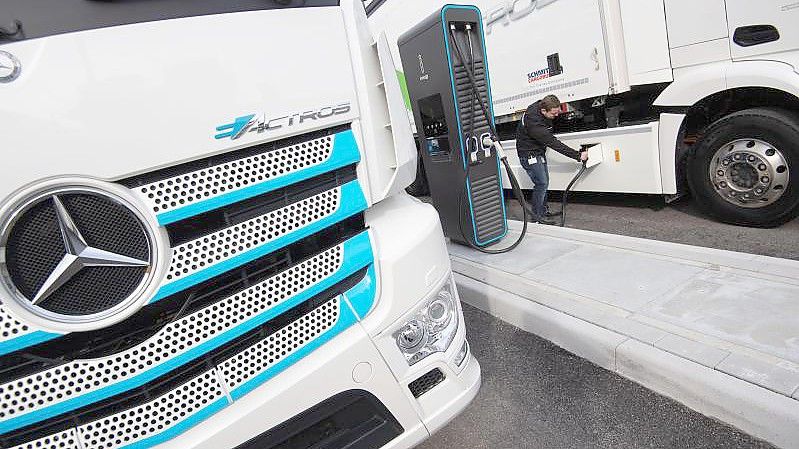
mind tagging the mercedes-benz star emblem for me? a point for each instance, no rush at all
(78, 255)
(9, 67)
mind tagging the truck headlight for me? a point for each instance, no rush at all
(432, 328)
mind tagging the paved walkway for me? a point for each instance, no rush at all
(716, 330)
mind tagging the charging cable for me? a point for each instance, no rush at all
(491, 140)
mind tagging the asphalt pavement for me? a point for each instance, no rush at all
(537, 395)
(647, 216)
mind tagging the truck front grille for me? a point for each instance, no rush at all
(261, 269)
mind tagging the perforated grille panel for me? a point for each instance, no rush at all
(11, 327)
(154, 417)
(178, 191)
(260, 357)
(173, 404)
(76, 378)
(236, 324)
(63, 440)
(196, 255)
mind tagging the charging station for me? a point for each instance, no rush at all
(451, 101)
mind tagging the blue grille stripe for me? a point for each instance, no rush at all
(357, 254)
(352, 202)
(345, 152)
(347, 318)
(345, 321)
(362, 297)
(26, 340)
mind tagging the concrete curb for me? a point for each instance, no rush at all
(786, 269)
(755, 410)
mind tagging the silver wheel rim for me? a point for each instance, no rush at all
(749, 173)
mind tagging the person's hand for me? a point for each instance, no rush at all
(583, 156)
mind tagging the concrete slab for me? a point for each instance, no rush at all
(778, 376)
(621, 278)
(566, 302)
(594, 312)
(533, 252)
(692, 350)
(752, 312)
(757, 411)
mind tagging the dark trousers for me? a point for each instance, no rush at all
(539, 174)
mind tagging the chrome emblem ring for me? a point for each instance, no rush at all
(10, 67)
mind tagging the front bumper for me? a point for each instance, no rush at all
(365, 356)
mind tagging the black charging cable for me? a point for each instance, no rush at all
(517, 191)
(565, 199)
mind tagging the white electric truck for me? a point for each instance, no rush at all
(204, 236)
(698, 94)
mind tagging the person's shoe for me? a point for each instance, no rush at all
(544, 221)
(554, 214)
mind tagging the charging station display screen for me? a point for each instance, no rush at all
(434, 126)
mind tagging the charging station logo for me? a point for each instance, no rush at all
(424, 76)
(261, 123)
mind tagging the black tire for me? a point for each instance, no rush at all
(419, 186)
(777, 127)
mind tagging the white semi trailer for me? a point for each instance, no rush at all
(699, 95)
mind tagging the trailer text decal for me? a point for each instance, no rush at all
(512, 10)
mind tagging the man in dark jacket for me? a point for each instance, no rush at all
(533, 137)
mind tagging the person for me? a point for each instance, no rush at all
(533, 137)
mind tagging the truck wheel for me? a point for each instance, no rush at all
(745, 169)
(419, 186)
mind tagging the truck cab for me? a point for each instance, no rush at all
(204, 236)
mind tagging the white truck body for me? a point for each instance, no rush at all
(236, 110)
(682, 54)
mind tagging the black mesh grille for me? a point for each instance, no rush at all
(36, 246)
(426, 383)
(94, 289)
(107, 225)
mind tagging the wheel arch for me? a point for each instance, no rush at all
(711, 108)
(695, 84)
(708, 92)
